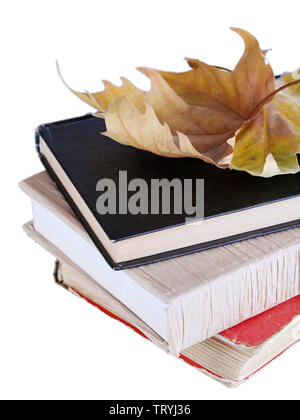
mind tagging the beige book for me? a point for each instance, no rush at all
(187, 299)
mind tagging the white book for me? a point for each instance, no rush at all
(187, 299)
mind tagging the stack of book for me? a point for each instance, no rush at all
(222, 293)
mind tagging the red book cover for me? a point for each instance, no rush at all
(256, 331)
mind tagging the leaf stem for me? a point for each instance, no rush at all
(268, 99)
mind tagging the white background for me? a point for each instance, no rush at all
(52, 344)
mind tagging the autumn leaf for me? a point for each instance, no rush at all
(227, 118)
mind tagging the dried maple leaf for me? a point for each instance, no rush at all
(228, 118)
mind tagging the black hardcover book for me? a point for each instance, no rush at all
(237, 205)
